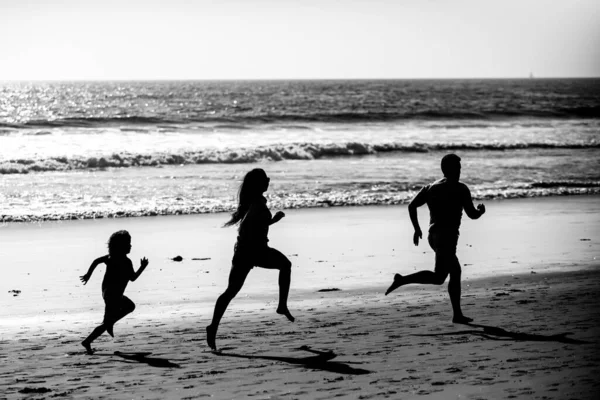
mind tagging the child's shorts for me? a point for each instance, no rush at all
(116, 307)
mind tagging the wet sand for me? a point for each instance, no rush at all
(530, 279)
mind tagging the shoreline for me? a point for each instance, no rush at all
(327, 248)
(337, 201)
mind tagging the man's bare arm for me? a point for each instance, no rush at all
(470, 210)
(417, 202)
(414, 218)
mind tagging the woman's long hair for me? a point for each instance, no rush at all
(250, 190)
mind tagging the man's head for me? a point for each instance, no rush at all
(451, 167)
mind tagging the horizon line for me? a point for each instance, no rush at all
(289, 79)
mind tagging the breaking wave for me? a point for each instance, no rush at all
(297, 151)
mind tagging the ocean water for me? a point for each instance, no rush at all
(108, 149)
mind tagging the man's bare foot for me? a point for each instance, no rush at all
(286, 312)
(397, 283)
(461, 319)
(109, 329)
(88, 347)
(211, 335)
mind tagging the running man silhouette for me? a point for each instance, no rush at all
(251, 248)
(446, 199)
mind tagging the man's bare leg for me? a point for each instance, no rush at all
(454, 290)
(422, 277)
(395, 285)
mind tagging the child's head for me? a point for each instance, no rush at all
(119, 243)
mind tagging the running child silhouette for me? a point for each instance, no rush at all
(119, 271)
(252, 249)
(446, 199)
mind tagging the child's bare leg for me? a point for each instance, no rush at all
(88, 347)
(126, 307)
(87, 343)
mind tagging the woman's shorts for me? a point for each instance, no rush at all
(246, 256)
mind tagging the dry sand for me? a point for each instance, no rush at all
(530, 279)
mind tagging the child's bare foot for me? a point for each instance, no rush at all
(109, 329)
(286, 312)
(395, 285)
(461, 319)
(211, 334)
(88, 347)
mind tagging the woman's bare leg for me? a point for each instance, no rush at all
(237, 276)
(275, 259)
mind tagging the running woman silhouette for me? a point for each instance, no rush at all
(252, 249)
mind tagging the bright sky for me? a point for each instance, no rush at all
(281, 39)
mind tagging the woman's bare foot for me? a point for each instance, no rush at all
(211, 335)
(286, 312)
(395, 285)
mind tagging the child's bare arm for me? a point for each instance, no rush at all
(143, 265)
(85, 278)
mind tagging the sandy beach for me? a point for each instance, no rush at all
(531, 280)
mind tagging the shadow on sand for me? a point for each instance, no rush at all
(320, 361)
(144, 359)
(495, 333)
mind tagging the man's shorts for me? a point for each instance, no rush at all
(444, 244)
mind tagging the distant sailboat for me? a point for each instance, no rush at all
(531, 75)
